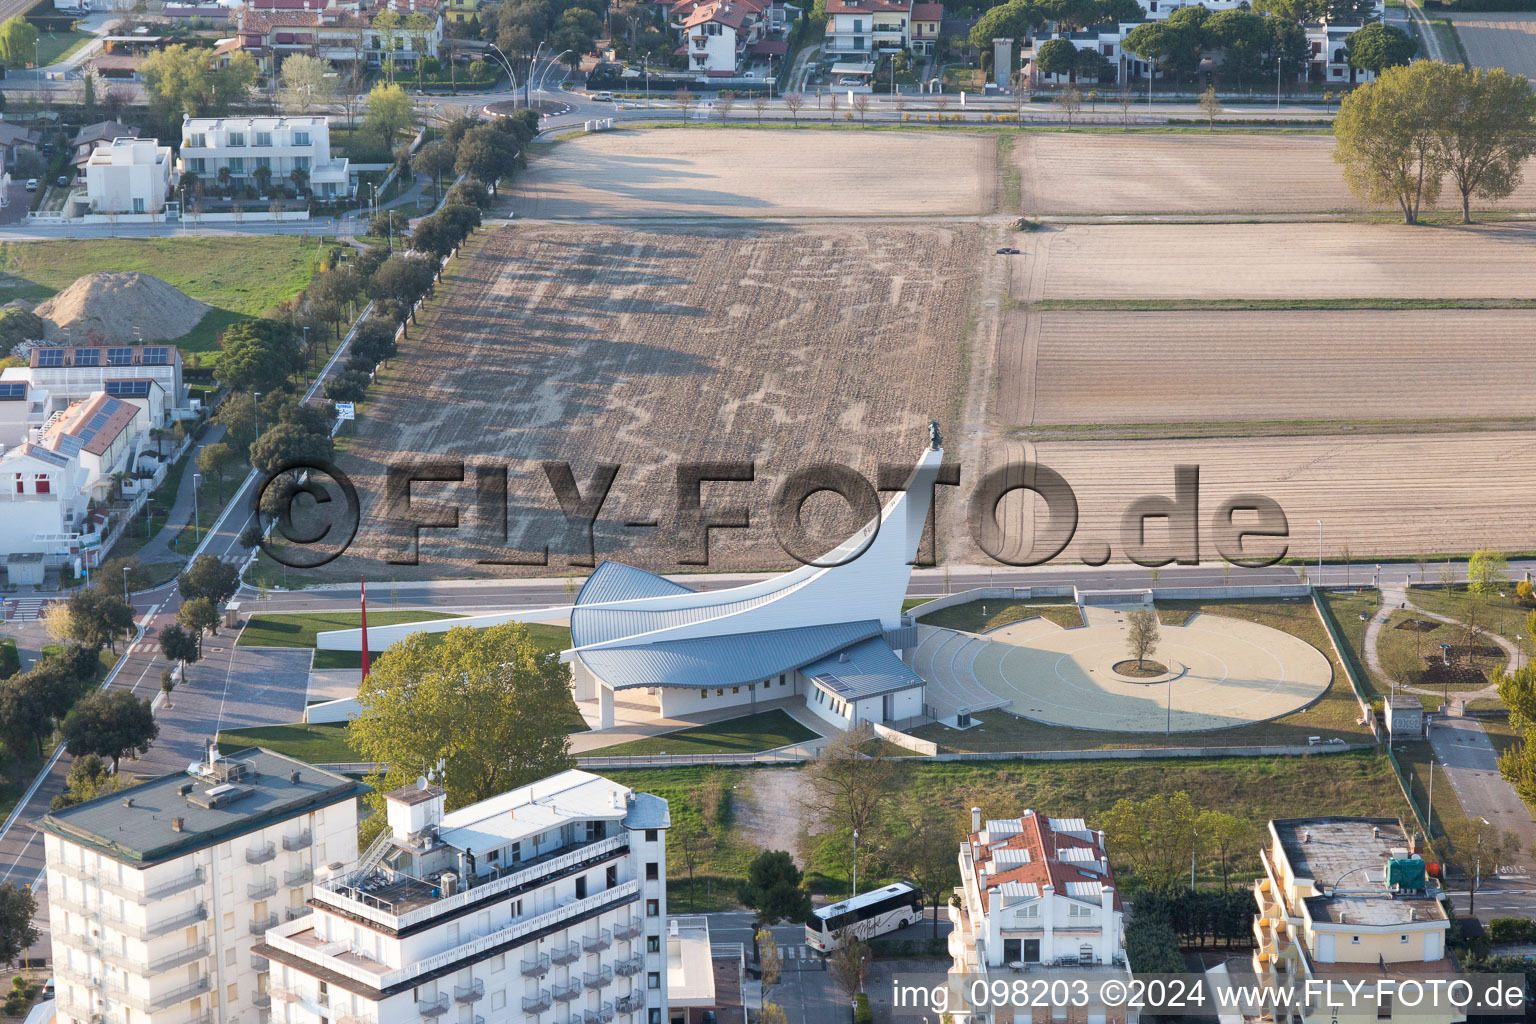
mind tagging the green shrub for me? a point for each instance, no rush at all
(1512, 930)
(862, 1014)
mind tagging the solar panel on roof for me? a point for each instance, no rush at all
(50, 357)
(157, 356)
(119, 357)
(13, 391)
(87, 357)
(97, 422)
(86, 435)
(128, 388)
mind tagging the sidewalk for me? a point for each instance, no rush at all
(159, 549)
(637, 722)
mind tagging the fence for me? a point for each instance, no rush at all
(925, 747)
(988, 594)
(1346, 658)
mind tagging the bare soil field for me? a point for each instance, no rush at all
(1379, 494)
(681, 172)
(1188, 367)
(1276, 261)
(649, 348)
(1087, 174)
(1504, 39)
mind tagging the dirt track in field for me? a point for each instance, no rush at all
(712, 172)
(1276, 261)
(1186, 367)
(1504, 39)
(1084, 174)
(599, 344)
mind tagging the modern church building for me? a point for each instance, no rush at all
(831, 632)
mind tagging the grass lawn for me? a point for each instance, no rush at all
(1255, 789)
(1332, 715)
(747, 735)
(1502, 615)
(980, 616)
(316, 744)
(241, 277)
(1415, 759)
(53, 47)
(299, 630)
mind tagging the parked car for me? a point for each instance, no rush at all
(48, 989)
(63, 181)
(31, 184)
(850, 80)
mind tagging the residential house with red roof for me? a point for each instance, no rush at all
(926, 20)
(863, 29)
(719, 34)
(1037, 894)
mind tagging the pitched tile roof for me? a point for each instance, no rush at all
(1035, 851)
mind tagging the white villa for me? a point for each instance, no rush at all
(130, 176)
(280, 144)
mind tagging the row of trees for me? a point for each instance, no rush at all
(187, 81)
(1402, 136)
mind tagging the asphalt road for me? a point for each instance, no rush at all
(1472, 766)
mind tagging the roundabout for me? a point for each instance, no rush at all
(1217, 673)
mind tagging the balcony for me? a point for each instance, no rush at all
(262, 890)
(294, 913)
(294, 879)
(471, 993)
(261, 854)
(260, 964)
(537, 1003)
(171, 924)
(565, 993)
(632, 1003)
(630, 929)
(260, 925)
(179, 995)
(178, 958)
(298, 842)
(598, 979)
(567, 954)
(630, 967)
(433, 1007)
(537, 967)
(262, 999)
(601, 1015)
(173, 887)
(602, 940)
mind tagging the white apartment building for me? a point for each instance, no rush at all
(1036, 895)
(864, 28)
(543, 904)
(280, 144)
(59, 374)
(158, 893)
(131, 176)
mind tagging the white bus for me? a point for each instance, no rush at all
(866, 916)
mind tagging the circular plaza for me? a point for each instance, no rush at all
(1218, 673)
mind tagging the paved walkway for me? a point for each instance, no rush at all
(159, 549)
(1394, 597)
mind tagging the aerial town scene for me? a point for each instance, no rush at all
(767, 511)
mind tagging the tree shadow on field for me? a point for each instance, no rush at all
(640, 307)
(595, 249)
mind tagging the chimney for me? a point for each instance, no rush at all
(127, 801)
(975, 819)
(293, 776)
(1104, 866)
(981, 879)
(1417, 844)
(178, 825)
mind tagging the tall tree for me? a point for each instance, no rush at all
(289, 443)
(1228, 835)
(18, 906)
(18, 42)
(1487, 133)
(1379, 46)
(180, 645)
(1386, 139)
(88, 778)
(197, 617)
(691, 838)
(483, 712)
(98, 618)
(850, 785)
(308, 83)
(26, 714)
(111, 723)
(1155, 836)
(1487, 572)
(1476, 849)
(215, 460)
(849, 964)
(435, 159)
(1141, 636)
(928, 854)
(390, 112)
(259, 355)
(208, 577)
(775, 890)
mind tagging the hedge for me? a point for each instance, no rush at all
(1511, 930)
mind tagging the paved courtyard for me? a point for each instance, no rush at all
(1221, 673)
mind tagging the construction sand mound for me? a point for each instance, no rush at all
(121, 307)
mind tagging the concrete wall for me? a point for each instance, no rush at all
(989, 594)
(925, 747)
(343, 710)
(676, 700)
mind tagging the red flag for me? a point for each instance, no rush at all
(363, 588)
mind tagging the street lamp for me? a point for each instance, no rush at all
(855, 863)
(1429, 817)
(511, 75)
(256, 411)
(1319, 552)
(1277, 84)
(126, 571)
(197, 519)
(533, 63)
